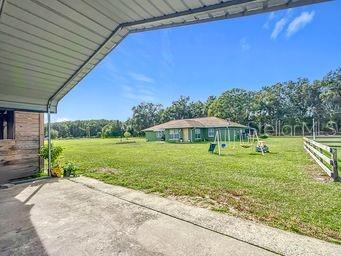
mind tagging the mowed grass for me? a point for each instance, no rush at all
(282, 189)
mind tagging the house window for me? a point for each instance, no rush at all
(174, 134)
(197, 134)
(210, 132)
(159, 134)
(6, 124)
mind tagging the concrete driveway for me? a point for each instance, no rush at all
(83, 216)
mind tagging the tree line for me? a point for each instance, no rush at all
(87, 129)
(272, 108)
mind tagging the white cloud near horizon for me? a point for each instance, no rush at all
(59, 119)
(299, 22)
(279, 26)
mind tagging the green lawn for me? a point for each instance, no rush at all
(283, 188)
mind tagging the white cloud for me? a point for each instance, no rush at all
(271, 16)
(59, 119)
(109, 64)
(140, 94)
(299, 22)
(141, 77)
(279, 26)
(289, 11)
(167, 54)
(112, 71)
(244, 44)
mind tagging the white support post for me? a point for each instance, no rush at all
(228, 135)
(218, 133)
(49, 139)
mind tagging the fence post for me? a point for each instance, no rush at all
(321, 151)
(335, 165)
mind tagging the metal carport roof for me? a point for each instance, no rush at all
(48, 46)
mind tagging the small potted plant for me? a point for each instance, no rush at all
(69, 168)
(56, 151)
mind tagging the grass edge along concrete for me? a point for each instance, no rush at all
(284, 189)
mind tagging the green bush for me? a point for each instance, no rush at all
(56, 151)
(112, 129)
(54, 134)
(70, 168)
(264, 136)
(127, 134)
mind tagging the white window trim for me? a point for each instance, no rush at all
(174, 134)
(196, 133)
(210, 132)
(159, 134)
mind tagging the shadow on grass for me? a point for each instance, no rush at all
(260, 154)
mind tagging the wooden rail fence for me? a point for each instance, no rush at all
(325, 156)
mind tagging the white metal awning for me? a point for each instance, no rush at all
(48, 46)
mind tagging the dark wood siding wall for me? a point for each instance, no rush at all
(20, 157)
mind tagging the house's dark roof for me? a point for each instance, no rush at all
(203, 122)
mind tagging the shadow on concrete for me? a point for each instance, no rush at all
(18, 235)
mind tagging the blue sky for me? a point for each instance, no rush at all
(207, 59)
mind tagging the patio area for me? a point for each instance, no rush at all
(82, 216)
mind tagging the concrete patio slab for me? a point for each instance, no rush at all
(83, 216)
